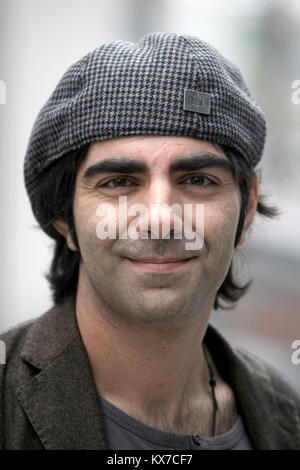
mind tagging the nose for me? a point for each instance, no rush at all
(162, 216)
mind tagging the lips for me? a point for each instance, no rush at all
(159, 265)
(155, 260)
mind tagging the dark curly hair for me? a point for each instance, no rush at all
(54, 199)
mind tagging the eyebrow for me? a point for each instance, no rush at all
(123, 164)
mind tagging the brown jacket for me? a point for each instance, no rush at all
(49, 398)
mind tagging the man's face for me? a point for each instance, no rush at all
(110, 268)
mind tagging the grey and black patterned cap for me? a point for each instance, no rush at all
(165, 84)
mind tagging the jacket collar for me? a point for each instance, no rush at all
(271, 417)
(61, 401)
(71, 417)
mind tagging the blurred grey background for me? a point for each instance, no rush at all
(39, 39)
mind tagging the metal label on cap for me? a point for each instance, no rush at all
(196, 101)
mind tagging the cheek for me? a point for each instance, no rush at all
(92, 221)
(87, 222)
(220, 223)
(219, 234)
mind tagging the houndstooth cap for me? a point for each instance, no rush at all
(165, 84)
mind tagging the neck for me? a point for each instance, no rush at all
(146, 364)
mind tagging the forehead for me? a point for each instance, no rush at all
(152, 149)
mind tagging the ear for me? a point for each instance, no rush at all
(251, 210)
(63, 228)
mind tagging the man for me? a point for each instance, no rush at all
(126, 358)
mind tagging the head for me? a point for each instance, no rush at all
(205, 109)
(69, 205)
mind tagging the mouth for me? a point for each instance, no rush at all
(159, 265)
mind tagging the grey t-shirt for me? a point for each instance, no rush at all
(125, 432)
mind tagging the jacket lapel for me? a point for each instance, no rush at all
(61, 401)
(271, 418)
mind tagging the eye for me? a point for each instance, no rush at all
(118, 182)
(200, 180)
